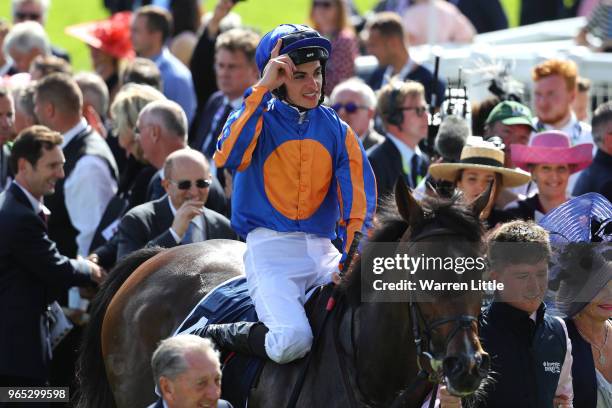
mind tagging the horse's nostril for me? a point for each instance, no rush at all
(452, 366)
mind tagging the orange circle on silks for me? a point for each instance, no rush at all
(297, 176)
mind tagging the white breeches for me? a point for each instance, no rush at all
(280, 267)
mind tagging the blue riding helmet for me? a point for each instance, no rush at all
(301, 43)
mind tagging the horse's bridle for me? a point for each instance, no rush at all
(430, 368)
(421, 328)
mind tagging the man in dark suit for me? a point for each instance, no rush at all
(235, 71)
(32, 271)
(180, 216)
(187, 373)
(386, 41)
(403, 110)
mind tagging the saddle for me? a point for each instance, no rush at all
(228, 303)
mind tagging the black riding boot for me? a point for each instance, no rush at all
(242, 337)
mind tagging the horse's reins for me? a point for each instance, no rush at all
(432, 369)
(329, 308)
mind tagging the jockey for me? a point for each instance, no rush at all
(301, 177)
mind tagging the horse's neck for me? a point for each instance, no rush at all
(384, 351)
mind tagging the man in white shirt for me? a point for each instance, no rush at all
(91, 172)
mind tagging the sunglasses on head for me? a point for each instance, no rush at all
(27, 16)
(350, 107)
(186, 184)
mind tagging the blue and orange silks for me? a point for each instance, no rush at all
(296, 171)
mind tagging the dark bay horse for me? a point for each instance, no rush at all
(366, 354)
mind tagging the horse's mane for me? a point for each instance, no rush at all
(389, 226)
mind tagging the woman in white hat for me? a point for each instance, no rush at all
(481, 163)
(551, 160)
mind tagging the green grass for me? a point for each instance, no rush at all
(262, 14)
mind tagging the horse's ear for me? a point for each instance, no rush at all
(482, 205)
(408, 207)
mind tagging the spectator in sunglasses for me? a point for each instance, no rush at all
(355, 103)
(35, 10)
(179, 217)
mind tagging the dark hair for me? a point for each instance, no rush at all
(60, 90)
(480, 113)
(388, 23)
(186, 16)
(158, 20)
(142, 71)
(530, 237)
(30, 142)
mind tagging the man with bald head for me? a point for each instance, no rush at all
(161, 129)
(179, 217)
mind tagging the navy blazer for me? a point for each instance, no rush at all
(32, 274)
(419, 74)
(203, 123)
(149, 224)
(386, 161)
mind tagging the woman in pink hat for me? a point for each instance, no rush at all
(109, 42)
(551, 160)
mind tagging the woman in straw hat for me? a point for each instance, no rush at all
(551, 160)
(582, 228)
(481, 163)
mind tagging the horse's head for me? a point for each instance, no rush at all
(444, 319)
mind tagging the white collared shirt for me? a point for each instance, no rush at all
(87, 192)
(405, 151)
(198, 221)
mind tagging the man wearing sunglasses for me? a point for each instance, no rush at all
(179, 217)
(355, 103)
(403, 110)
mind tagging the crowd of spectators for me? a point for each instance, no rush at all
(123, 154)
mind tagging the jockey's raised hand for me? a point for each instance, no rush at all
(279, 70)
